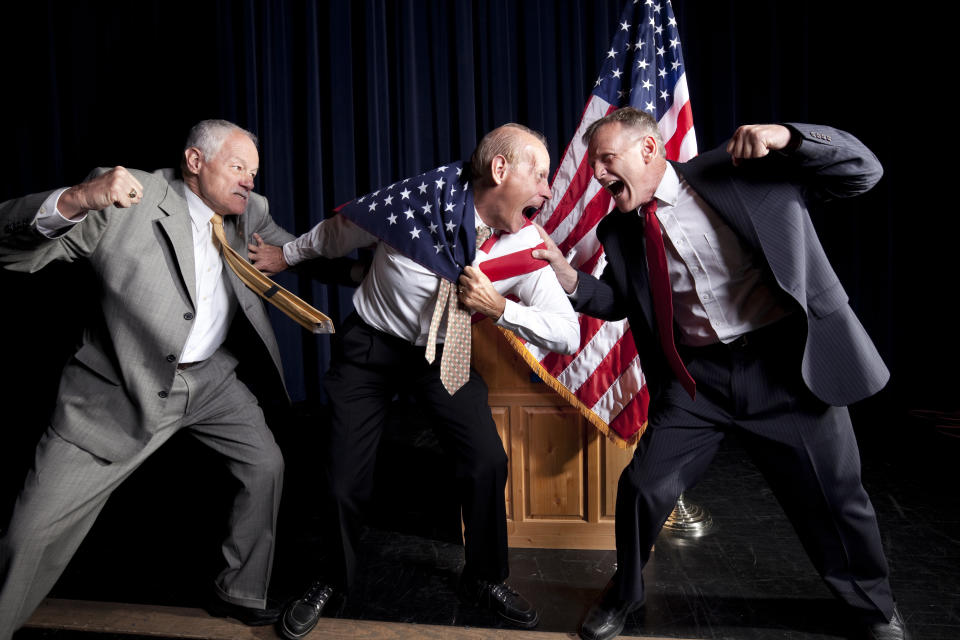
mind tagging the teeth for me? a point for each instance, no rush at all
(615, 187)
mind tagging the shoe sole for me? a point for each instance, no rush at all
(522, 623)
(630, 611)
(213, 611)
(290, 635)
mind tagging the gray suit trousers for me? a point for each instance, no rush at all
(68, 487)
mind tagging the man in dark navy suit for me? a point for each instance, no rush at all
(742, 326)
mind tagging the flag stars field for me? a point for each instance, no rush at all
(437, 205)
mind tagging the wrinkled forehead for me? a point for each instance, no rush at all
(535, 154)
(239, 146)
(612, 138)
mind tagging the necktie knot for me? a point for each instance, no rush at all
(483, 234)
(649, 209)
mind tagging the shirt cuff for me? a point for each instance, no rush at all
(511, 316)
(290, 253)
(50, 222)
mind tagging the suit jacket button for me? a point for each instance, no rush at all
(162, 394)
(188, 316)
(171, 358)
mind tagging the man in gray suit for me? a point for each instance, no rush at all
(742, 326)
(159, 358)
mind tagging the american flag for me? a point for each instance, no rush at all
(423, 218)
(644, 69)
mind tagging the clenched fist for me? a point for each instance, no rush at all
(115, 187)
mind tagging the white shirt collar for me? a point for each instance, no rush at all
(200, 213)
(668, 191)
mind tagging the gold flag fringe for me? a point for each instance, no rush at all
(566, 394)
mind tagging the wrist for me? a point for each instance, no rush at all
(69, 204)
(499, 309)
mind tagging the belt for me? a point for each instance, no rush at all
(754, 340)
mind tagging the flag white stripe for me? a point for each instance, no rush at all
(591, 355)
(621, 392)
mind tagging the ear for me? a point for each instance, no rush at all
(193, 159)
(649, 148)
(498, 169)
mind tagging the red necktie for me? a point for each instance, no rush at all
(662, 295)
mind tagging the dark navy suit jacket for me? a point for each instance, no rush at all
(765, 202)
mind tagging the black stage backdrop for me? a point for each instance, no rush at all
(347, 96)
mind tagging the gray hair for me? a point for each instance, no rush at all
(500, 142)
(628, 117)
(208, 136)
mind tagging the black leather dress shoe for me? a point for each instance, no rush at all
(896, 629)
(301, 615)
(500, 598)
(607, 616)
(220, 608)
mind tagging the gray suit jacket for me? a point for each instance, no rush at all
(113, 389)
(765, 202)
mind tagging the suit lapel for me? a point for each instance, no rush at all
(178, 229)
(233, 229)
(627, 228)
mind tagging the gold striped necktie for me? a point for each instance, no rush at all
(302, 313)
(455, 361)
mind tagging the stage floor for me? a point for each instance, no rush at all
(748, 579)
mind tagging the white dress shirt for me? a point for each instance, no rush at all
(214, 305)
(398, 295)
(719, 293)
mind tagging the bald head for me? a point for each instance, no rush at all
(510, 173)
(512, 141)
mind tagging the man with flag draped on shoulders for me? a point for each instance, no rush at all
(450, 242)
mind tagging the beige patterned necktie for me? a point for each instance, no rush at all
(301, 312)
(455, 361)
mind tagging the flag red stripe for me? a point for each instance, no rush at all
(583, 114)
(555, 363)
(595, 210)
(575, 190)
(591, 264)
(626, 423)
(512, 264)
(684, 124)
(607, 372)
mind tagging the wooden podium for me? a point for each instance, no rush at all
(562, 481)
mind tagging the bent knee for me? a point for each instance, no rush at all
(268, 464)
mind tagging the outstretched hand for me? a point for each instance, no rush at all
(117, 187)
(566, 274)
(267, 258)
(757, 140)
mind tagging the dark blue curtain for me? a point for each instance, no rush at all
(347, 96)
